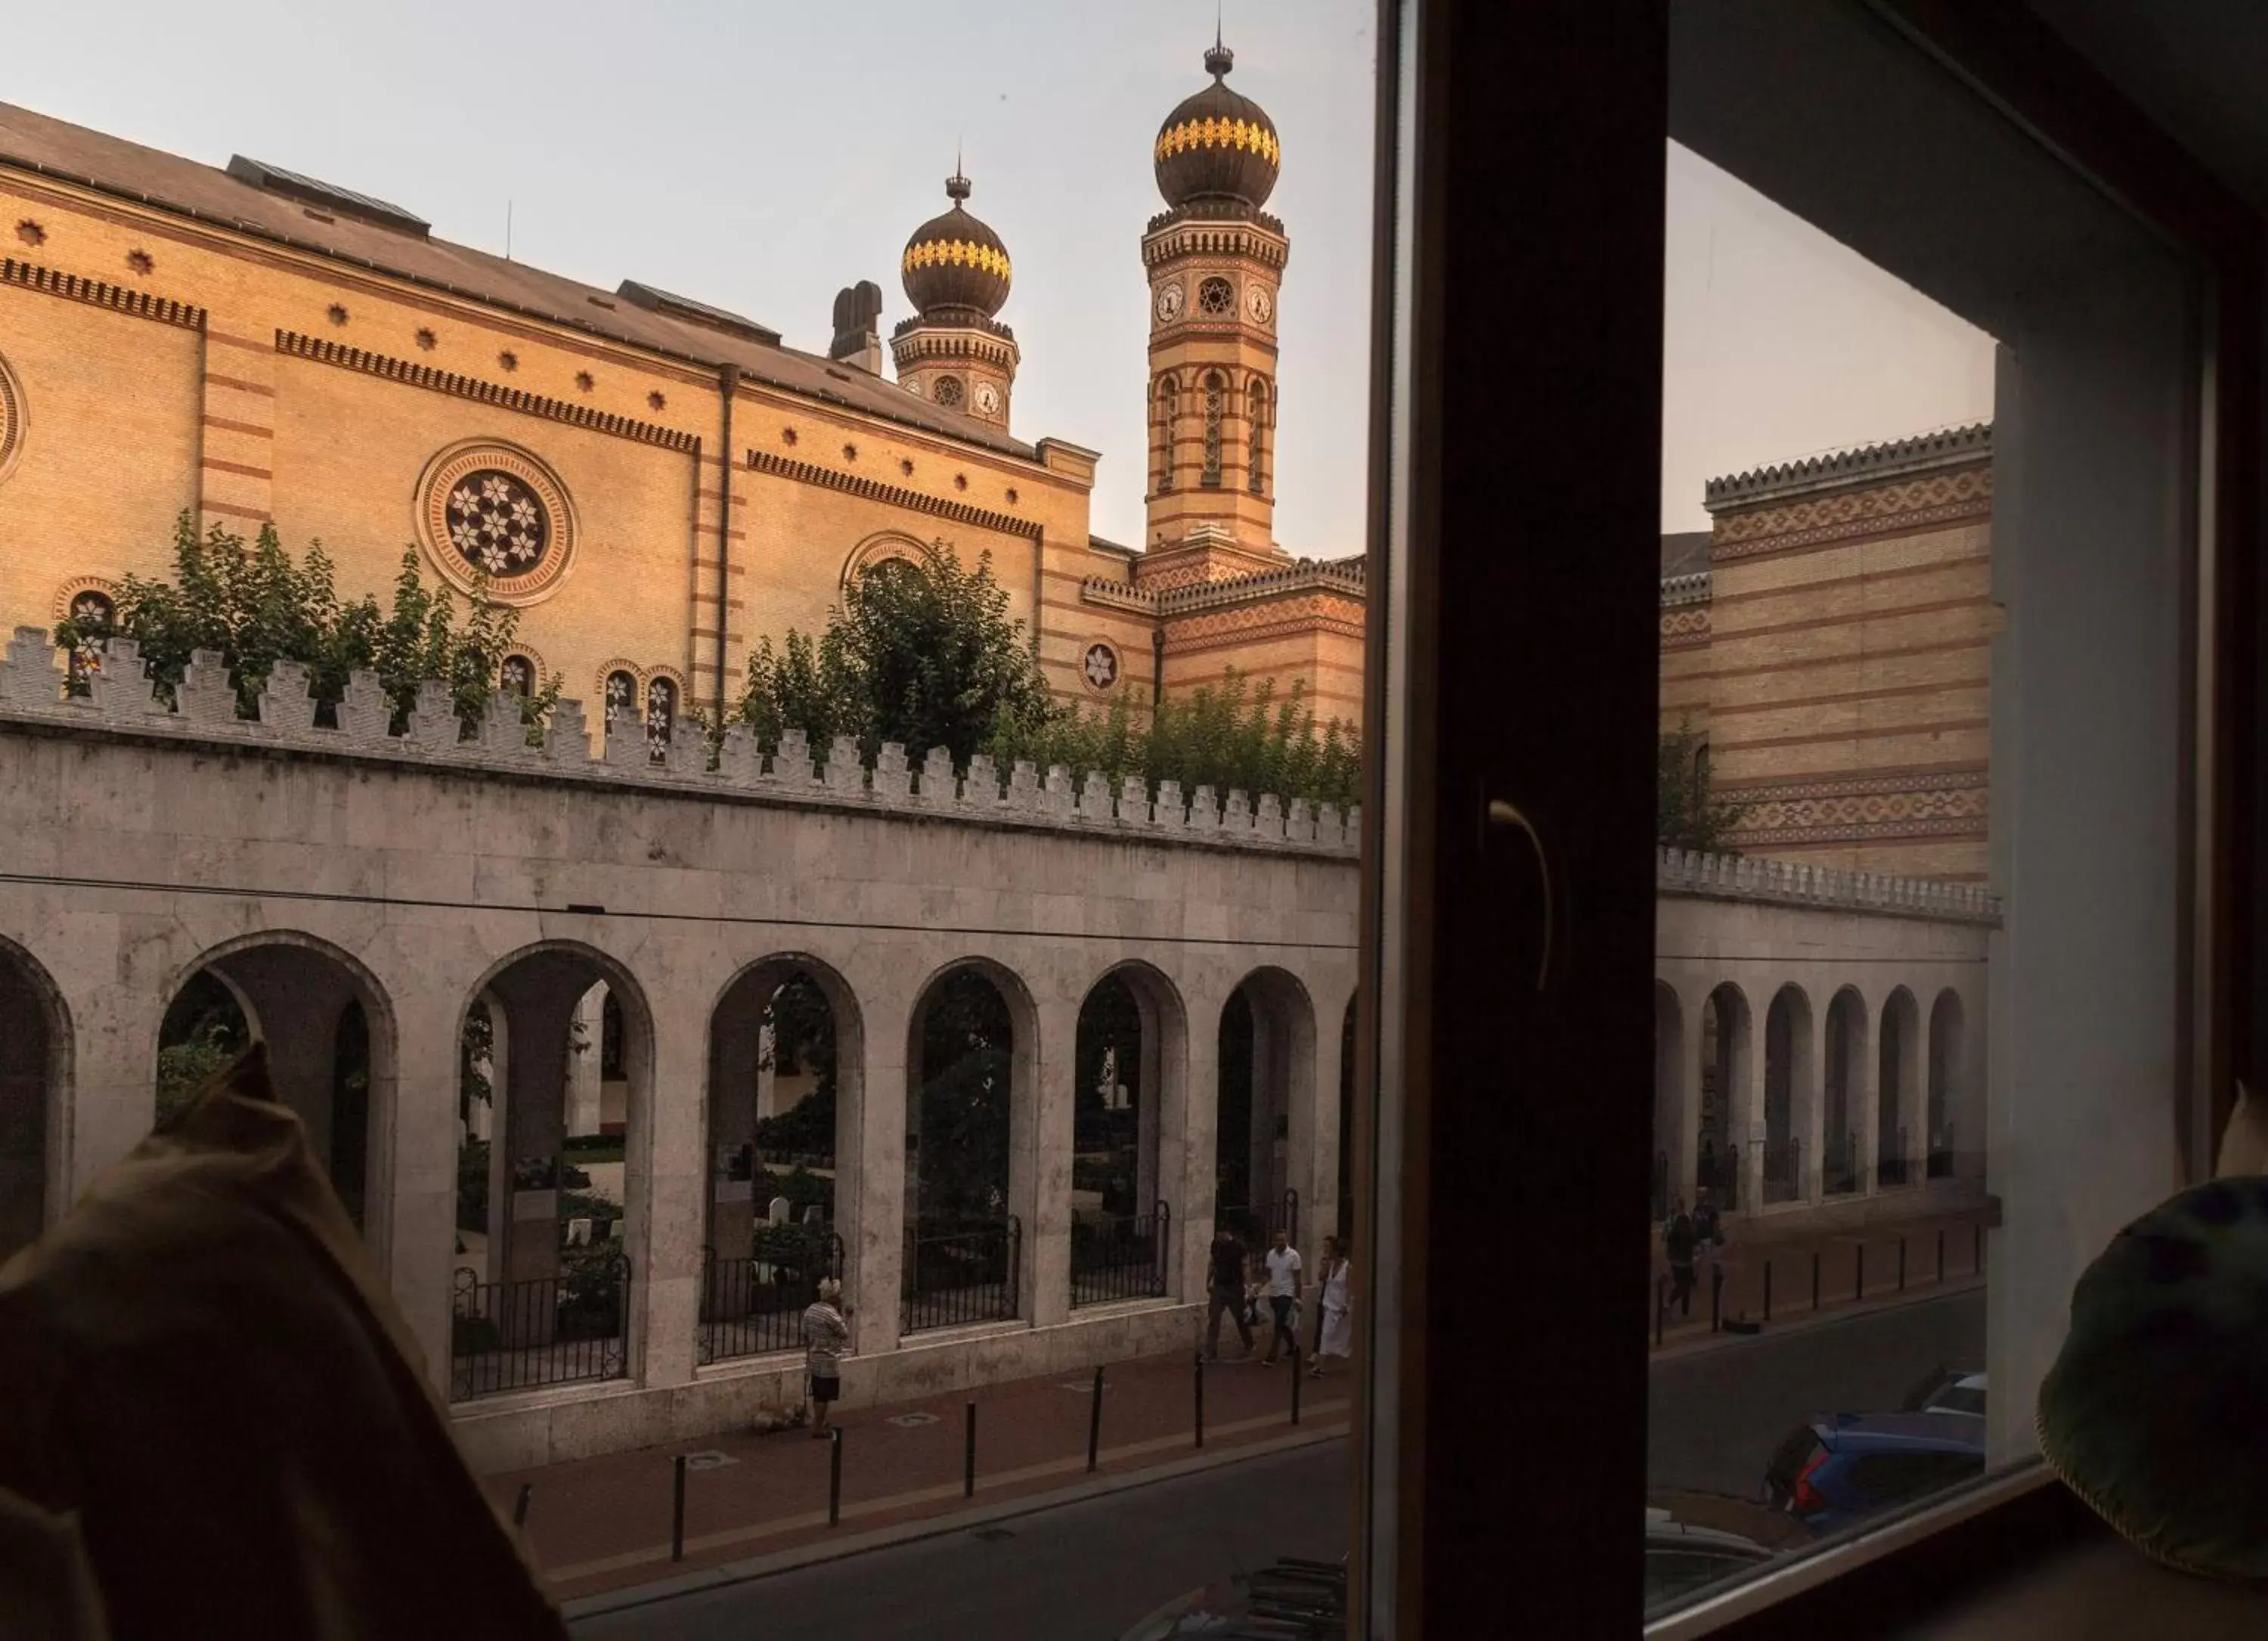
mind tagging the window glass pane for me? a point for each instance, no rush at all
(1879, 1163)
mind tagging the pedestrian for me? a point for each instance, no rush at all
(1283, 1262)
(1335, 1334)
(1708, 1228)
(1228, 1293)
(1679, 1239)
(826, 1336)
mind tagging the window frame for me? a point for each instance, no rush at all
(1450, 899)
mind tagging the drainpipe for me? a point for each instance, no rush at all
(1039, 584)
(728, 383)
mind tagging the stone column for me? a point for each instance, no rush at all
(1746, 1098)
(1191, 1194)
(117, 1001)
(1039, 1169)
(582, 1065)
(1315, 1137)
(540, 996)
(1869, 1117)
(1693, 1067)
(1809, 1120)
(295, 998)
(414, 1154)
(667, 1183)
(1166, 1098)
(873, 1116)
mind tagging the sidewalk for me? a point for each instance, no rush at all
(1840, 1260)
(603, 1524)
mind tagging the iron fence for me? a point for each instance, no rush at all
(1891, 1166)
(971, 1273)
(544, 1330)
(1119, 1257)
(1719, 1173)
(1257, 1226)
(1783, 1170)
(1841, 1173)
(753, 1306)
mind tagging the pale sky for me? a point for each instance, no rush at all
(759, 155)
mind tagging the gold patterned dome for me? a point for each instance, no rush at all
(953, 263)
(1218, 145)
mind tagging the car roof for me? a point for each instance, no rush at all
(1898, 1432)
(1665, 1532)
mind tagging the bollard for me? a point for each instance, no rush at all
(1716, 1296)
(834, 1478)
(519, 1504)
(1814, 1279)
(1095, 1421)
(1768, 1291)
(1200, 1398)
(1902, 1264)
(1941, 1254)
(677, 1510)
(1859, 1288)
(969, 1456)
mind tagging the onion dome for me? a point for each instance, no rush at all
(953, 264)
(1218, 145)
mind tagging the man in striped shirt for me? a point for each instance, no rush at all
(826, 1336)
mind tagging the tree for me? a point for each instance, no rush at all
(963, 1163)
(1686, 816)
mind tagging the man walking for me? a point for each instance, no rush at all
(1283, 1262)
(1678, 1240)
(1227, 1282)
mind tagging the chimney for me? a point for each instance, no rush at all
(857, 340)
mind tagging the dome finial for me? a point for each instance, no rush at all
(1220, 59)
(956, 186)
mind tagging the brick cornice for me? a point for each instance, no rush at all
(893, 495)
(1909, 506)
(99, 293)
(390, 369)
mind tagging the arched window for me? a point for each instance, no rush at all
(1256, 401)
(621, 696)
(93, 618)
(660, 717)
(517, 676)
(1169, 409)
(1215, 407)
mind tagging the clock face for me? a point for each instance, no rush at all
(1169, 302)
(1259, 304)
(988, 398)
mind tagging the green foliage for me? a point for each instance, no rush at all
(202, 1030)
(473, 1185)
(475, 1054)
(926, 654)
(182, 1070)
(256, 607)
(963, 1159)
(1686, 816)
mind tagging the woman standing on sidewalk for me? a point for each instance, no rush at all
(826, 1336)
(1334, 1337)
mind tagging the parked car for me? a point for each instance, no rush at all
(1948, 1390)
(1293, 1599)
(1841, 1468)
(1682, 1558)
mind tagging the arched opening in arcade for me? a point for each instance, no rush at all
(554, 1055)
(1788, 1058)
(329, 1047)
(1846, 1082)
(35, 1048)
(1899, 1081)
(1724, 1067)
(1267, 1050)
(963, 1257)
(1946, 1065)
(782, 1040)
(1668, 1055)
(1130, 1036)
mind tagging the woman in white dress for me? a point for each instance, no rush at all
(1336, 1336)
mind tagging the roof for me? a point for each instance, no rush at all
(378, 238)
(1684, 552)
(1950, 447)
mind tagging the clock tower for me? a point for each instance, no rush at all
(952, 352)
(1215, 261)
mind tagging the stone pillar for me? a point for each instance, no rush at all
(1191, 1194)
(1315, 1137)
(1040, 1154)
(1746, 1096)
(540, 996)
(1869, 1120)
(872, 1101)
(1809, 1120)
(295, 998)
(1693, 1064)
(667, 1183)
(413, 1155)
(117, 1001)
(1165, 1115)
(582, 1065)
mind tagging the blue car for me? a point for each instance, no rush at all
(1842, 1467)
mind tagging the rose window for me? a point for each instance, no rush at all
(517, 676)
(497, 523)
(1216, 297)
(1100, 666)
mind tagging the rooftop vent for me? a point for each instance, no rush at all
(346, 202)
(695, 313)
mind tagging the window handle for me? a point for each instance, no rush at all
(1507, 817)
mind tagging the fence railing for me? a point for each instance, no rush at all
(1891, 1166)
(1257, 1225)
(959, 1276)
(1120, 1257)
(753, 1307)
(1783, 1170)
(544, 1330)
(1841, 1173)
(1719, 1173)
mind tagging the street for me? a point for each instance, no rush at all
(1086, 1571)
(1081, 1572)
